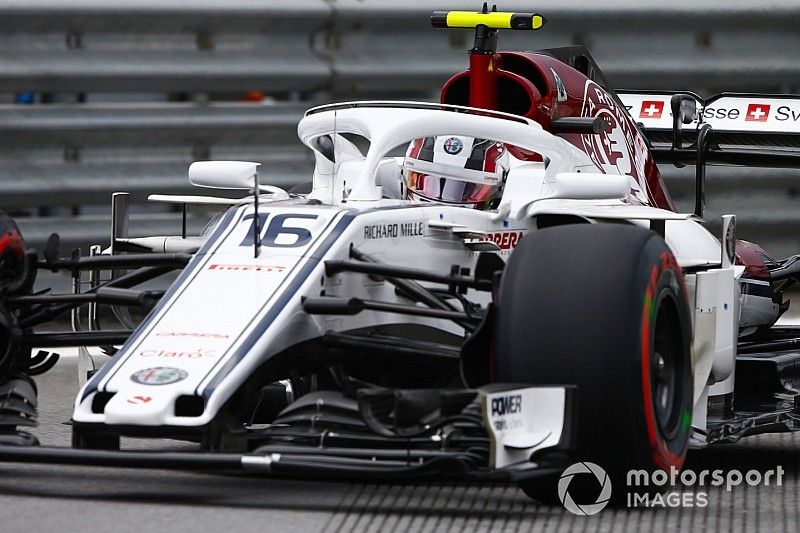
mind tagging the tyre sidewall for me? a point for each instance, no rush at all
(603, 284)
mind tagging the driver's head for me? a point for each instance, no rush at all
(455, 170)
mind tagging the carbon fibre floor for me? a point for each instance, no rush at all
(48, 498)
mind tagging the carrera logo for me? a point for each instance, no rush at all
(247, 268)
(651, 109)
(506, 240)
(757, 113)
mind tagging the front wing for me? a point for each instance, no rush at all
(499, 432)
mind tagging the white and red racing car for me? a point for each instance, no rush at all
(350, 330)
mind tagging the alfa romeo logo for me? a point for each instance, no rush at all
(453, 145)
(619, 150)
(590, 508)
(161, 375)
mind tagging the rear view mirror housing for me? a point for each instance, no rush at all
(684, 108)
(224, 174)
(590, 186)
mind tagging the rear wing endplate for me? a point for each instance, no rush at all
(746, 129)
(728, 129)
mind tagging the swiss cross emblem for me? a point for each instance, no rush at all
(651, 109)
(757, 113)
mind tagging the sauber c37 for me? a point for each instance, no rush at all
(342, 330)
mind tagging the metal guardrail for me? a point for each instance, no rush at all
(73, 154)
(82, 153)
(363, 47)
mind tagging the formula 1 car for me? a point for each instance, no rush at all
(346, 331)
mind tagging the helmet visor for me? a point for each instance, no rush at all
(441, 189)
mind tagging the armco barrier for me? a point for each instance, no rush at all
(60, 161)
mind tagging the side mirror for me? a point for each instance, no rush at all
(684, 108)
(590, 186)
(224, 174)
(684, 111)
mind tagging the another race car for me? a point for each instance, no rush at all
(393, 321)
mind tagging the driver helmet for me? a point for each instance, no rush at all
(455, 170)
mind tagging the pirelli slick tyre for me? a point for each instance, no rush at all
(603, 307)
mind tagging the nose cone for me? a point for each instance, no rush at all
(140, 406)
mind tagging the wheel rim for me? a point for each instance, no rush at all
(667, 384)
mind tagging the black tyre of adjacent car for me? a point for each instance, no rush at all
(604, 307)
(12, 250)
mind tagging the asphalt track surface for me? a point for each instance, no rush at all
(58, 498)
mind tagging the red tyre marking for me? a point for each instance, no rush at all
(662, 457)
(12, 240)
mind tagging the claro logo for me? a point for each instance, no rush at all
(198, 353)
